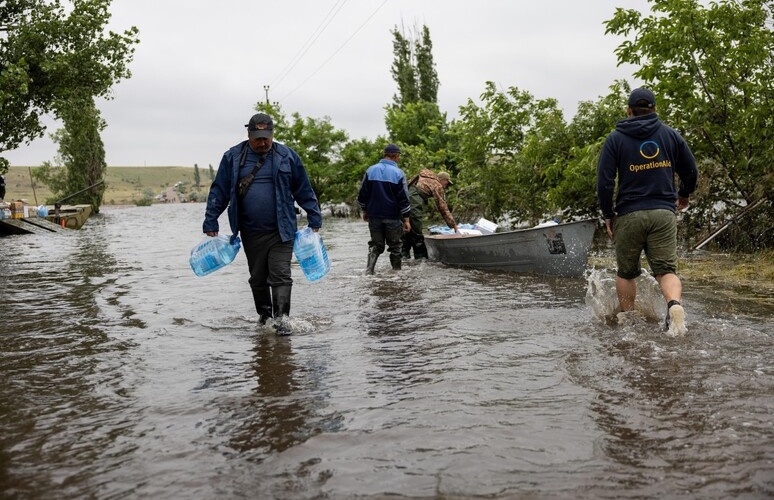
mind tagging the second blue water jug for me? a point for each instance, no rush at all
(311, 255)
(213, 253)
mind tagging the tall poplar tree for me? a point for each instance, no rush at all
(413, 68)
(403, 70)
(425, 68)
(414, 117)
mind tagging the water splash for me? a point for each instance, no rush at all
(603, 301)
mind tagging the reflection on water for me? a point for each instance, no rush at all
(125, 376)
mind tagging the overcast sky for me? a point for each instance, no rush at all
(201, 66)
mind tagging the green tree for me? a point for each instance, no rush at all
(417, 123)
(147, 198)
(427, 75)
(546, 142)
(54, 53)
(414, 119)
(82, 154)
(316, 141)
(212, 173)
(490, 138)
(711, 68)
(572, 179)
(355, 157)
(403, 70)
(197, 176)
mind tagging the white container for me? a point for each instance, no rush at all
(485, 226)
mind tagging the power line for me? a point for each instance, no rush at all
(336, 51)
(310, 41)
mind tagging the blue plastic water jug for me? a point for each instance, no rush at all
(311, 255)
(213, 253)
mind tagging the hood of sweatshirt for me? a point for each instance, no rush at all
(639, 127)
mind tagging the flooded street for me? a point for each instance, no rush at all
(126, 376)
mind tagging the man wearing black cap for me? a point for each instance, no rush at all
(383, 198)
(644, 155)
(258, 181)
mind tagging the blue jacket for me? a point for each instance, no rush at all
(645, 155)
(383, 192)
(291, 184)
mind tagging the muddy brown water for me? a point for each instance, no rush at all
(126, 376)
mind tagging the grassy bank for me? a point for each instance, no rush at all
(124, 185)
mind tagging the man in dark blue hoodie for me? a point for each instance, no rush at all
(644, 155)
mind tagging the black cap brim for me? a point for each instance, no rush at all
(260, 134)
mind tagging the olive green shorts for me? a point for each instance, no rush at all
(654, 231)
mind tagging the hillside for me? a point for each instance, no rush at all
(124, 185)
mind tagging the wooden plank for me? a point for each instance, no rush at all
(20, 226)
(45, 224)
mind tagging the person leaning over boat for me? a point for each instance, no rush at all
(422, 187)
(383, 198)
(645, 154)
(259, 180)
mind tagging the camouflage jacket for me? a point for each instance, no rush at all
(429, 186)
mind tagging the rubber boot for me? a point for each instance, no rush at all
(262, 299)
(406, 250)
(420, 251)
(280, 298)
(371, 267)
(395, 260)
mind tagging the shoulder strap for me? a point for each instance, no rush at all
(258, 164)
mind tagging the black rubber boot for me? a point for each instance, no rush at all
(406, 249)
(280, 297)
(395, 260)
(262, 299)
(420, 251)
(264, 315)
(371, 267)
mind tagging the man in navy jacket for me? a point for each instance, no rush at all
(383, 198)
(259, 181)
(644, 155)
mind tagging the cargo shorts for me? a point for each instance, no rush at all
(654, 231)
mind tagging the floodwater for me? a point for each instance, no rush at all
(126, 376)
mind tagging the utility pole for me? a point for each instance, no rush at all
(266, 89)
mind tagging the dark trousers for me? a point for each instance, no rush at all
(414, 239)
(268, 258)
(385, 232)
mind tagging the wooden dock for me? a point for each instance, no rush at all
(68, 217)
(31, 225)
